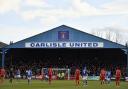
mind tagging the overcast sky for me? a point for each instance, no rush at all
(20, 19)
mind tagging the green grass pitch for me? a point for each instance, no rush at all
(59, 84)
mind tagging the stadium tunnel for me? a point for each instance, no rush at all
(54, 47)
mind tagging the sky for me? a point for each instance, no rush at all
(20, 19)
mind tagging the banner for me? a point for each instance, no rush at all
(93, 77)
(64, 44)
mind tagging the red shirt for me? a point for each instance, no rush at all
(103, 73)
(118, 73)
(77, 73)
(2, 71)
(50, 71)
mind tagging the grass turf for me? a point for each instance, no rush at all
(59, 84)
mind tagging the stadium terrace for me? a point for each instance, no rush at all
(65, 48)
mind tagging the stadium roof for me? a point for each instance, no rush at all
(73, 35)
(2, 44)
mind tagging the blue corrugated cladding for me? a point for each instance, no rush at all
(74, 36)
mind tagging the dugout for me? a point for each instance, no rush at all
(65, 45)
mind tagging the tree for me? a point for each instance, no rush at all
(109, 34)
(97, 33)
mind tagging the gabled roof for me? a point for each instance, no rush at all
(2, 44)
(75, 35)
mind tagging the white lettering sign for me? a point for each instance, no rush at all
(64, 45)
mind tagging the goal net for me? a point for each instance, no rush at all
(58, 73)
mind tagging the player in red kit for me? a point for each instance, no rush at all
(102, 76)
(118, 75)
(50, 74)
(2, 75)
(77, 76)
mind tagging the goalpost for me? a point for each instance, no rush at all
(58, 73)
(62, 73)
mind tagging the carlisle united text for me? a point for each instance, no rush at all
(63, 44)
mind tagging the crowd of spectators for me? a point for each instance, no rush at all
(36, 66)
